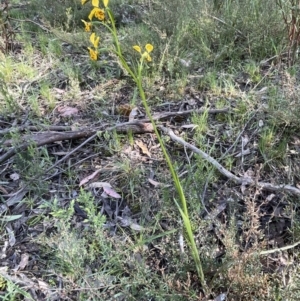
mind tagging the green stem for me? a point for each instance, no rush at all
(119, 53)
(183, 208)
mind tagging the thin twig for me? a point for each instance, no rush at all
(279, 249)
(239, 180)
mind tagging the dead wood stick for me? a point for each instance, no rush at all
(160, 116)
(57, 128)
(156, 116)
(43, 138)
(239, 180)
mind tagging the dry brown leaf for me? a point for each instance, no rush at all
(100, 185)
(67, 111)
(110, 192)
(143, 147)
(88, 178)
(189, 126)
(60, 91)
(154, 183)
(59, 153)
(24, 261)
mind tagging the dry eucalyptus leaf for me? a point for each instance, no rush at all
(136, 227)
(67, 111)
(243, 153)
(100, 185)
(24, 261)
(88, 178)
(59, 153)
(154, 183)
(189, 126)
(110, 192)
(143, 148)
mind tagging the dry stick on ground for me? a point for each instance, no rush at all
(44, 138)
(156, 116)
(136, 127)
(227, 173)
(160, 116)
(58, 128)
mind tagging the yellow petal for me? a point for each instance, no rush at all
(92, 38)
(92, 13)
(99, 14)
(149, 47)
(105, 3)
(88, 25)
(93, 54)
(95, 3)
(96, 42)
(84, 1)
(137, 48)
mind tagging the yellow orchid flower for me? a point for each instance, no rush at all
(88, 26)
(105, 3)
(93, 54)
(94, 40)
(84, 1)
(95, 3)
(145, 55)
(97, 13)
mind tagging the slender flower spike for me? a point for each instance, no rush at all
(97, 13)
(93, 54)
(105, 3)
(84, 1)
(88, 26)
(95, 3)
(94, 40)
(145, 55)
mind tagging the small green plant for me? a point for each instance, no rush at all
(47, 95)
(253, 71)
(105, 18)
(12, 291)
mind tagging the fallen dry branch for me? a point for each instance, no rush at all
(164, 115)
(21, 128)
(44, 138)
(60, 128)
(239, 180)
(55, 133)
